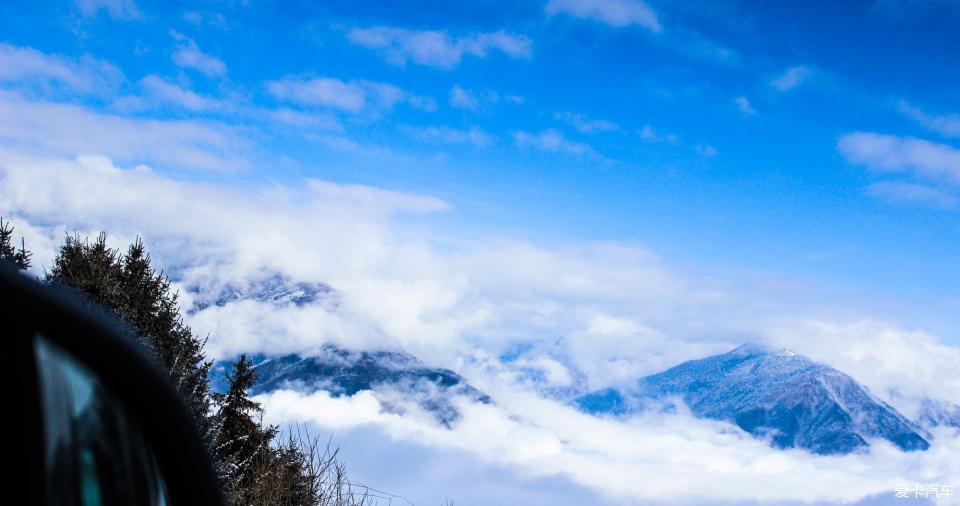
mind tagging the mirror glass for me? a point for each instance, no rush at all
(94, 453)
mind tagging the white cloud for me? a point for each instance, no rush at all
(26, 66)
(616, 13)
(301, 119)
(167, 93)
(899, 365)
(474, 135)
(349, 96)
(707, 151)
(659, 458)
(888, 153)
(946, 125)
(424, 103)
(622, 311)
(69, 130)
(897, 192)
(436, 48)
(323, 91)
(462, 98)
(743, 104)
(791, 78)
(189, 56)
(699, 47)
(551, 140)
(206, 18)
(117, 9)
(650, 135)
(584, 124)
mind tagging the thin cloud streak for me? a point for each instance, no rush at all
(437, 48)
(616, 13)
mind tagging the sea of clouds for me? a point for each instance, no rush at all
(461, 302)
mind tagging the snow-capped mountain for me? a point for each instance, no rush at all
(775, 394)
(343, 372)
(396, 378)
(273, 288)
(938, 414)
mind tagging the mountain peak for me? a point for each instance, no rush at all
(772, 393)
(343, 372)
(754, 349)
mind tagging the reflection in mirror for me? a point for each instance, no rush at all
(94, 452)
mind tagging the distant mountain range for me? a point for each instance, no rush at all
(774, 394)
(272, 288)
(342, 372)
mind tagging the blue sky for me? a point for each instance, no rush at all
(610, 186)
(708, 131)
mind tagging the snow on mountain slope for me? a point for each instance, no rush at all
(343, 372)
(273, 288)
(775, 394)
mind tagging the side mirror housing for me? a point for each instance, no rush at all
(94, 421)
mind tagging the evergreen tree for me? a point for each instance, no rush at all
(255, 468)
(242, 442)
(127, 286)
(8, 252)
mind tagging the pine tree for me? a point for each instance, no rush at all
(8, 252)
(255, 467)
(242, 443)
(91, 269)
(127, 286)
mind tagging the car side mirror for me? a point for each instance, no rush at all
(94, 421)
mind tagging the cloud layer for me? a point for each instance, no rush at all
(437, 48)
(460, 303)
(616, 13)
(892, 154)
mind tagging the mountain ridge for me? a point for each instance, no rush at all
(343, 372)
(770, 393)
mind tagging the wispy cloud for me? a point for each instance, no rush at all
(189, 56)
(437, 48)
(474, 136)
(706, 150)
(934, 169)
(898, 192)
(163, 92)
(791, 78)
(349, 96)
(117, 9)
(743, 104)
(207, 18)
(946, 125)
(323, 121)
(585, 124)
(551, 140)
(52, 73)
(888, 153)
(650, 135)
(70, 130)
(616, 13)
(462, 98)
(699, 47)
